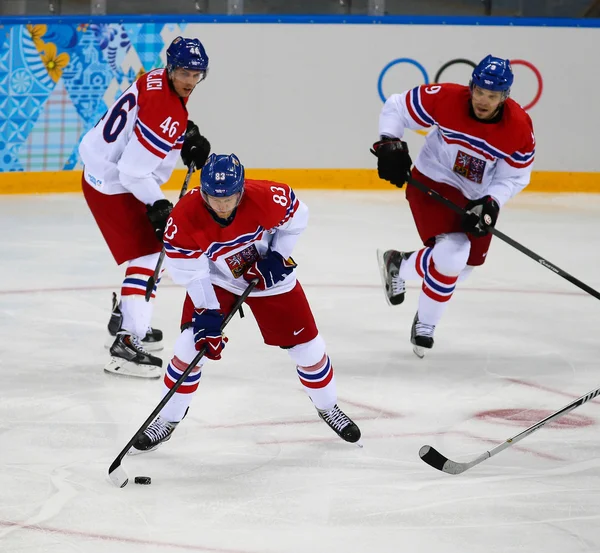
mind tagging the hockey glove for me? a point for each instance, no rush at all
(158, 213)
(207, 332)
(480, 216)
(195, 147)
(393, 160)
(270, 270)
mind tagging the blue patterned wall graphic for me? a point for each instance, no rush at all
(57, 80)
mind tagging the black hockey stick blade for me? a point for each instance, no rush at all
(116, 472)
(432, 457)
(440, 462)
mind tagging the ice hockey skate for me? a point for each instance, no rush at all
(421, 336)
(129, 358)
(389, 267)
(153, 341)
(159, 431)
(341, 424)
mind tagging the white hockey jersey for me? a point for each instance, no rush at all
(477, 157)
(135, 145)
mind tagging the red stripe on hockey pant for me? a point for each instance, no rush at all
(441, 278)
(434, 295)
(139, 271)
(320, 384)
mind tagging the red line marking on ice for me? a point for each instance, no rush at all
(516, 447)
(278, 423)
(547, 389)
(118, 539)
(548, 456)
(384, 413)
(309, 285)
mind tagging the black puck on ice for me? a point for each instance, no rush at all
(143, 480)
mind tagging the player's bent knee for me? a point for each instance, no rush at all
(309, 353)
(451, 253)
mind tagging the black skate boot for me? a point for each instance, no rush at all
(341, 424)
(158, 432)
(153, 339)
(389, 266)
(131, 359)
(421, 336)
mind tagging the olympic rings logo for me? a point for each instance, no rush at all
(458, 61)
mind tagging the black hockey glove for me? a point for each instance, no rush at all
(480, 216)
(195, 147)
(158, 213)
(393, 161)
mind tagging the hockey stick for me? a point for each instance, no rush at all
(152, 280)
(116, 473)
(438, 461)
(536, 257)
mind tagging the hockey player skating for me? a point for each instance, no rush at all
(219, 237)
(127, 156)
(478, 155)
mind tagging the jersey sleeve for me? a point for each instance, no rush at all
(153, 148)
(513, 173)
(288, 218)
(413, 109)
(185, 261)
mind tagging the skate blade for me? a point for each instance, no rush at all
(126, 368)
(359, 444)
(134, 451)
(148, 346)
(419, 351)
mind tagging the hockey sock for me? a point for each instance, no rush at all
(176, 407)
(137, 313)
(437, 289)
(413, 268)
(318, 381)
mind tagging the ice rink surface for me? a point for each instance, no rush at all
(252, 469)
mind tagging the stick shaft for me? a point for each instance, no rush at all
(154, 278)
(117, 462)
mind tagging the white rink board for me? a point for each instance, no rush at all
(305, 96)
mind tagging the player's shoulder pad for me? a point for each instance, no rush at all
(519, 121)
(187, 206)
(275, 202)
(443, 90)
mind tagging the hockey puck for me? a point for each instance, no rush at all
(145, 480)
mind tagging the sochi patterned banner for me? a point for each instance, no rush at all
(57, 80)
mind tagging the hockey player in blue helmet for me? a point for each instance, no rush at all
(187, 65)
(220, 236)
(490, 87)
(222, 186)
(478, 154)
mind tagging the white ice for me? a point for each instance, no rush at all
(252, 469)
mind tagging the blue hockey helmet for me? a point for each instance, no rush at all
(187, 53)
(493, 74)
(222, 176)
